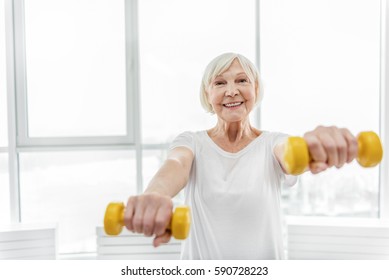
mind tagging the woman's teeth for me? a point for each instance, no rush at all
(229, 105)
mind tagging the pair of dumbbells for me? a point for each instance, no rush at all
(297, 159)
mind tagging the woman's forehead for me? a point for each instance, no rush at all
(235, 67)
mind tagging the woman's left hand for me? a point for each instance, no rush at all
(330, 146)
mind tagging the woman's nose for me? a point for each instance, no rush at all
(232, 91)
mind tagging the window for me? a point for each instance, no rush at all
(75, 70)
(3, 82)
(4, 180)
(71, 78)
(320, 61)
(73, 190)
(177, 40)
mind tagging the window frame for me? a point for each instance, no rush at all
(384, 111)
(18, 139)
(383, 177)
(23, 139)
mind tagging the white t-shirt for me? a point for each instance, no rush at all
(234, 199)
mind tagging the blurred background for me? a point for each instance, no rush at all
(93, 91)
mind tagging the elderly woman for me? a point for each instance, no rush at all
(232, 173)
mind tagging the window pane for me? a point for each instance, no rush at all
(3, 83)
(177, 40)
(73, 189)
(4, 190)
(320, 64)
(351, 191)
(75, 55)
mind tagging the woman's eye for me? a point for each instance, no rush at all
(218, 83)
(243, 81)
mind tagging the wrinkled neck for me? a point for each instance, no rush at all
(233, 131)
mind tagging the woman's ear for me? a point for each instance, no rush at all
(209, 103)
(211, 110)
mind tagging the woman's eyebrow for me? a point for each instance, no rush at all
(237, 74)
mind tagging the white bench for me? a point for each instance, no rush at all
(129, 246)
(28, 242)
(337, 238)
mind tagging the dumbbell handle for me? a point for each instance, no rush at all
(179, 224)
(297, 158)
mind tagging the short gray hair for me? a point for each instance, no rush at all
(220, 64)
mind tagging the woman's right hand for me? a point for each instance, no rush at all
(150, 214)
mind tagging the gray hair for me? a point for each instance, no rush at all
(220, 64)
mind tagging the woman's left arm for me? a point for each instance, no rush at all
(327, 146)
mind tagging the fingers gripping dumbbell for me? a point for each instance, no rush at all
(179, 224)
(297, 158)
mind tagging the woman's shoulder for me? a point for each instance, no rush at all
(272, 134)
(192, 134)
(189, 139)
(272, 137)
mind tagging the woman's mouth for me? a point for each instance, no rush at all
(232, 105)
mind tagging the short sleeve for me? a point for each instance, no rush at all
(185, 139)
(289, 180)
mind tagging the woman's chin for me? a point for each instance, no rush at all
(234, 118)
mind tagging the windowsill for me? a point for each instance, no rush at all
(27, 226)
(337, 221)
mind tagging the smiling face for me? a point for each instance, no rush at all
(232, 94)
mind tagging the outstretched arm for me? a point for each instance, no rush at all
(150, 212)
(327, 146)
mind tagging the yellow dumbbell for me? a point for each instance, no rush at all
(297, 158)
(114, 220)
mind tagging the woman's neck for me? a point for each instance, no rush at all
(235, 132)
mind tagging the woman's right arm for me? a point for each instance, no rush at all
(173, 175)
(150, 212)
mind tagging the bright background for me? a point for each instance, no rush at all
(319, 61)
